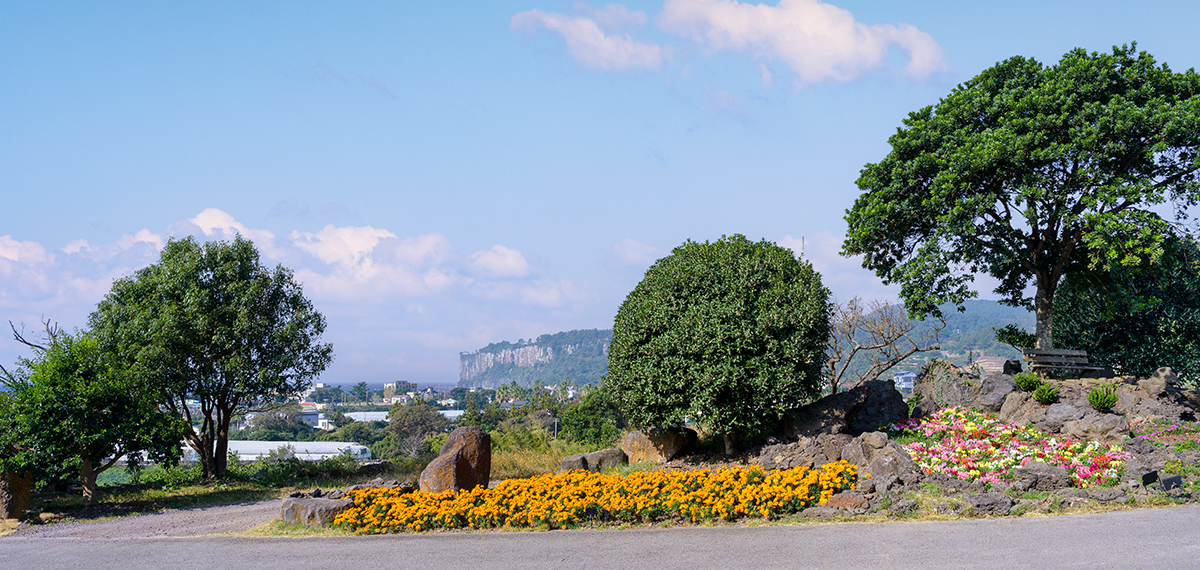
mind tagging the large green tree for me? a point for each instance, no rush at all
(74, 407)
(729, 334)
(217, 334)
(1137, 319)
(1028, 173)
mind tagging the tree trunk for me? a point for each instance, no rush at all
(1044, 309)
(205, 452)
(730, 443)
(221, 453)
(87, 478)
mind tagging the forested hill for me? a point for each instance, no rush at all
(971, 330)
(580, 355)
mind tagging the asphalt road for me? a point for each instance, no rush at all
(1147, 538)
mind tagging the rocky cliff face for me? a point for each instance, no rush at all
(580, 355)
(472, 365)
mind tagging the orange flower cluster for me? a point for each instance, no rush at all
(575, 497)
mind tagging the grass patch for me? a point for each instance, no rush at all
(277, 528)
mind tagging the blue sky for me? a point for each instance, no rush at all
(443, 175)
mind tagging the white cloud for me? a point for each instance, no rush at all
(634, 253)
(384, 296)
(817, 41)
(589, 44)
(213, 221)
(76, 246)
(500, 262)
(24, 251)
(143, 236)
(550, 294)
(423, 249)
(365, 261)
(613, 17)
(345, 246)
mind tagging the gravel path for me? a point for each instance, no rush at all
(193, 521)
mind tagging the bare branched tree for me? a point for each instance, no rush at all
(50, 332)
(880, 334)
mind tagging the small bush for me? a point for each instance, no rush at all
(1103, 397)
(1028, 381)
(1046, 394)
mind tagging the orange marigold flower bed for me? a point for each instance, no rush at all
(575, 497)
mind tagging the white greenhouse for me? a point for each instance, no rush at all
(302, 450)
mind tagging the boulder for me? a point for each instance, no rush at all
(573, 462)
(1109, 429)
(1057, 415)
(863, 408)
(831, 444)
(943, 385)
(16, 494)
(464, 462)
(606, 459)
(990, 504)
(1156, 385)
(847, 500)
(892, 461)
(380, 483)
(878, 456)
(1012, 367)
(1038, 476)
(313, 512)
(656, 446)
(902, 507)
(595, 461)
(1107, 495)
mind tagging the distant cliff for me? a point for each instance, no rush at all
(580, 355)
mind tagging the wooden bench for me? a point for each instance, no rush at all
(1057, 359)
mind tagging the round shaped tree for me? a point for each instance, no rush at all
(729, 335)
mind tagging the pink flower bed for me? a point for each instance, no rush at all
(974, 446)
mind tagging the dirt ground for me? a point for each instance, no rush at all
(195, 521)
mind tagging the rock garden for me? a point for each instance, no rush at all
(962, 445)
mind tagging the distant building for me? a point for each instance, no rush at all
(398, 387)
(904, 381)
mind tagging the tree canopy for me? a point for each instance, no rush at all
(729, 334)
(1137, 319)
(1028, 173)
(74, 407)
(216, 334)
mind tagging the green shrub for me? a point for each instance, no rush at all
(1028, 381)
(1103, 397)
(1046, 394)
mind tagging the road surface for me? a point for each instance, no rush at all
(1165, 538)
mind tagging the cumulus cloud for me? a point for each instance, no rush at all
(590, 43)
(24, 251)
(384, 295)
(549, 293)
(612, 17)
(817, 41)
(216, 223)
(345, 246)
(633, 253)
(143, 236)
(500, 262)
